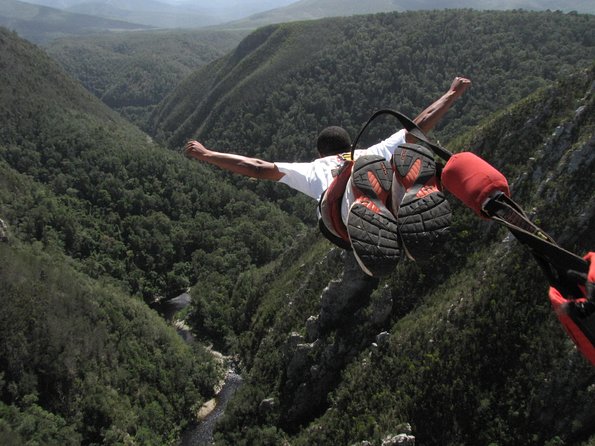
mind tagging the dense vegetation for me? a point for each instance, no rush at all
(133, 72)
(81, 362)
(284, 83)
(272, 95)
(84, 361)
(122, 206)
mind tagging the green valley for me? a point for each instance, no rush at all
(105, 218)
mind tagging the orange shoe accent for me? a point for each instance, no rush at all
(384, 169)
(426, 190)
(412, 175)
(377, 187)
(369, 204)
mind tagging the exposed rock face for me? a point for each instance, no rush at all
(3, 231)
(333, 338)
(400, 439)
(403, 439)
(344, 296)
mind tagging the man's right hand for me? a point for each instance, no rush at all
(459, 86)
(194, 149)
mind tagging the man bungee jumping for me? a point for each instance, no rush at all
(384, 202)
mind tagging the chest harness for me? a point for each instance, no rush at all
(329, 206)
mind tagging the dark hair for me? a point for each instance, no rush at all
(333, 140)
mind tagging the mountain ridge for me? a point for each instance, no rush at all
(340, 75)
(316, 9)
(101, 223)
(40, 24)
(133, 71)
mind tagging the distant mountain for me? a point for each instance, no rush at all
(40, 24)
(315, 9)
(60, 4)
(167, 14)
(151, 13)
(236, 8)
(255, 13)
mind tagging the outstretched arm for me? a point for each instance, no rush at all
(430, 116)
(243, 165)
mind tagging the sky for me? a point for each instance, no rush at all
(261, 5)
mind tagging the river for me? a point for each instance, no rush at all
(200, 433)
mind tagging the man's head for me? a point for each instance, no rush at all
(333, 140)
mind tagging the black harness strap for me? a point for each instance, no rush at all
(562, 267)
(410, 126)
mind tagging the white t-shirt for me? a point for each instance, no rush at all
(315, 177)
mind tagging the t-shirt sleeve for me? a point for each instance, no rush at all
(302, 177)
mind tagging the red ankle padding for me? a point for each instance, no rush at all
(590, 257)
(472, 180)
(580, 329)
(561, 307)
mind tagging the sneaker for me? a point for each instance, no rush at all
(423, 214)
(372, 228)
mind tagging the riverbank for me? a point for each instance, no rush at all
(200, 432)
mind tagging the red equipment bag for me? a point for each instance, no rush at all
(472, 180)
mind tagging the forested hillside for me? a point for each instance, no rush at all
(284, 83)
(464, 350)
(83, 363)
(133, 72)
(99, 219)
(471, 333)
(121, 205)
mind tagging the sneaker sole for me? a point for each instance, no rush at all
(372, 228)
(372, 175)
(424, 215)
(374, 237)
(424, 224)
